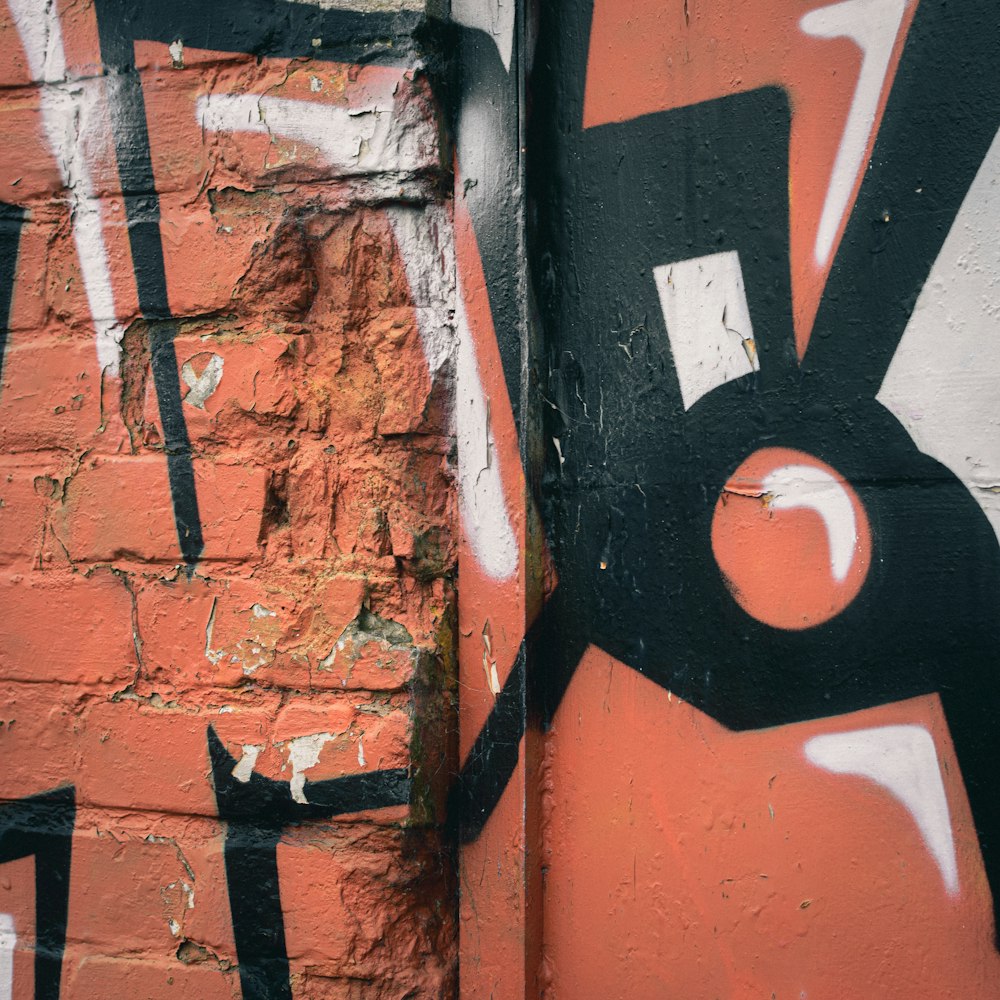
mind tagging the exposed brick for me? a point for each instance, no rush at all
(310, 631)
(67, 627)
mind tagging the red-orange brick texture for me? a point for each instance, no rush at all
(314, 633)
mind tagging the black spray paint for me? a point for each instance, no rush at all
(256, 811)
(636, 484)
(42, 826)
(12, 220)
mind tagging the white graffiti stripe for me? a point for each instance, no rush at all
(495, 17)
(72, 111)
(903, 760)
(873, 26)
(354, 139)
(426, 240)
(806, 486)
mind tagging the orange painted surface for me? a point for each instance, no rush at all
(780, 544)
(686, 860)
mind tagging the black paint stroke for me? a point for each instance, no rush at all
(42, 825)
(12, 220)
(629, 501)
(142, 210)
(256, 812)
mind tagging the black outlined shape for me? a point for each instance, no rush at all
(42, 825)
(12, 220)
(629, 499)
(256, 812)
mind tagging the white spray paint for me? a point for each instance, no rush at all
(873, 26)
(365, 5)
(364, 137)
(495, 17)
(303, 753)
(795, 486)
(8, 941)
(942, 383)
(903, 760)
(72, 111)
(704, 306)
(426, 241)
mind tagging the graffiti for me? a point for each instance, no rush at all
(42, 826)
(11, 220)
(256, 809)
(186, 24)
(734, 512)
(264, 555)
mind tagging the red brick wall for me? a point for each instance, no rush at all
(313, 630)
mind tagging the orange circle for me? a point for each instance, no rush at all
(791, 538)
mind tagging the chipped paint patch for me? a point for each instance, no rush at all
(202, 384)
(244, 768)
(303, 753)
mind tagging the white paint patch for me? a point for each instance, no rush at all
(244, 769)
(202, 386)
(705, 309)
(303, 753)
(942, 383)
(794, 486)
(361, 751)
(176, 50)
(259, 611)
(481, 497)
(903, 760)
(73, 118)
(495, 17)
(8, 941)
(873, 26)
(212, 655)
(426, 241)
(361, 138)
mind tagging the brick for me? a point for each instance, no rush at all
(67, 627)
(357, 906)
(151, 753)
(53, 397)
(193, 140)
(99, 520)
(26, 491)
(89, 975)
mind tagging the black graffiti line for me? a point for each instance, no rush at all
(256, 812)
(925, 621)
(257, 27)
(142, 210)
(12, 220)
(42, 826)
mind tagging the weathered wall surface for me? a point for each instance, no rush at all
(690, 373)
(755, 721)
(226, 511)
